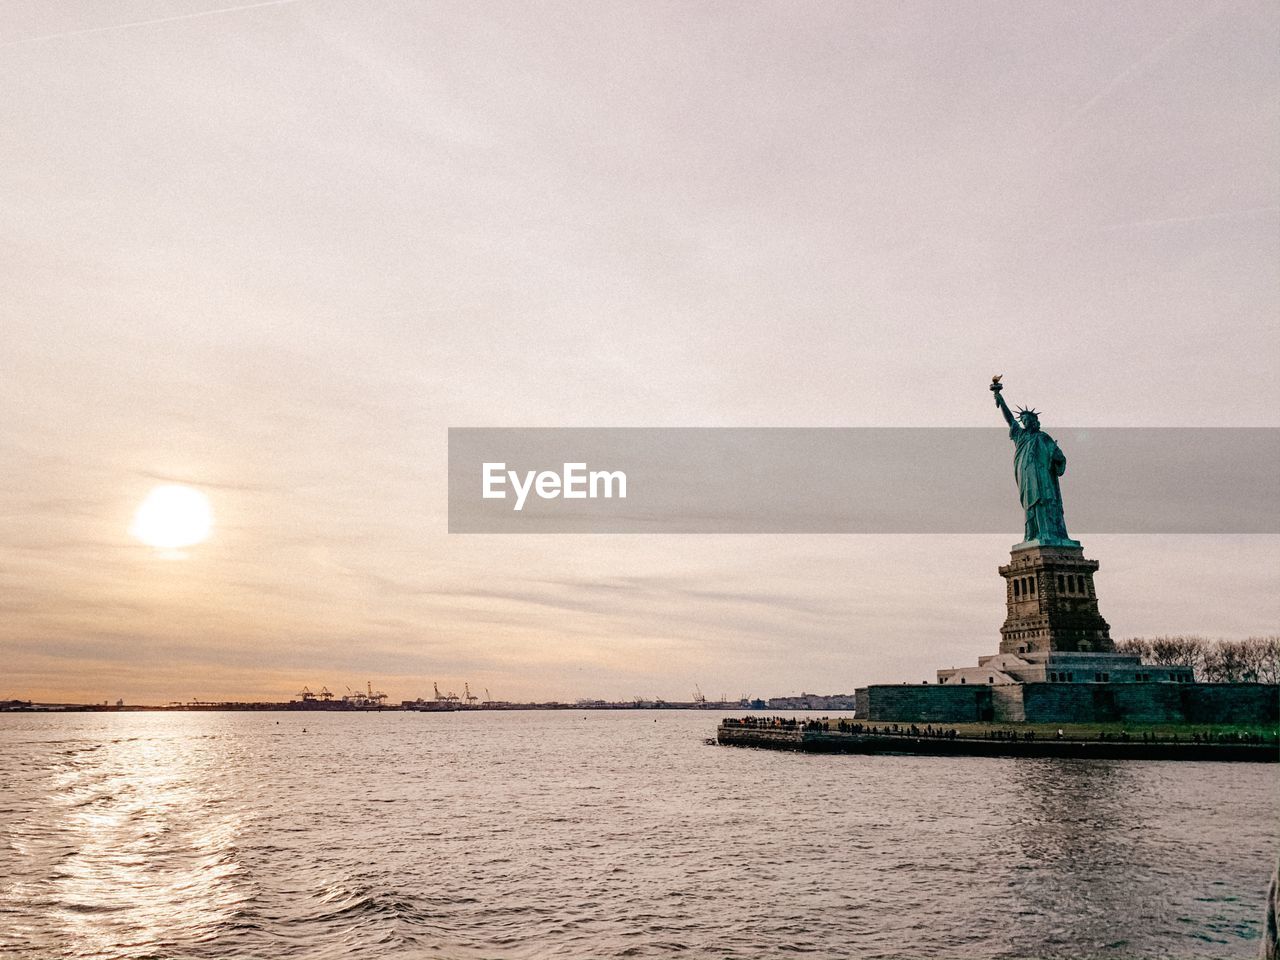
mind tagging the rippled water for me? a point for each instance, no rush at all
(602, 835)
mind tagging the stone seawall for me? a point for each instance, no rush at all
(813, 741)
(1223, 702)
(1244, 703)
(924, 703)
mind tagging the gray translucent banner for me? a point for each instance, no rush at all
(855, 480)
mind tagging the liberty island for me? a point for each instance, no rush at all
(1056, 662)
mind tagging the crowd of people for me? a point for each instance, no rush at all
(826, 725)
(841, 726)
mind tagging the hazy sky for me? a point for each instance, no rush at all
(276, 252)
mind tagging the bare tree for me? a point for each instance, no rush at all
(1255, 660)
(1212, 669)
(1135, 645)
(1180, 651)
(1262, 658)
(1235, 661)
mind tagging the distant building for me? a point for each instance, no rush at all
(812, 701)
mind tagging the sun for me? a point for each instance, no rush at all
(173, 516)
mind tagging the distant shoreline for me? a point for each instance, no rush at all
(294, 706)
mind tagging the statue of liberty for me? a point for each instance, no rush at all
(1038, 462)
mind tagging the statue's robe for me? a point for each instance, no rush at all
(1038, 462)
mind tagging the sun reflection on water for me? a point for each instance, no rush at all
(140, 844)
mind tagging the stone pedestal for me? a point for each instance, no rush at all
(1057, 662)
(1051, 604)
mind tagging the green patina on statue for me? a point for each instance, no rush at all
(1038, 462)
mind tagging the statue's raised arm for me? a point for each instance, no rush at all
(996, 387)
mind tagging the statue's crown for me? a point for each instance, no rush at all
(1023, 411)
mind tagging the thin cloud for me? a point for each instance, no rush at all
(144, 23)
(1201, 218)
(1127, 75)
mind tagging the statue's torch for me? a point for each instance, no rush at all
(997, 386)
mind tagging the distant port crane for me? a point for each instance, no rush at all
(366, 698)
(467, 695)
